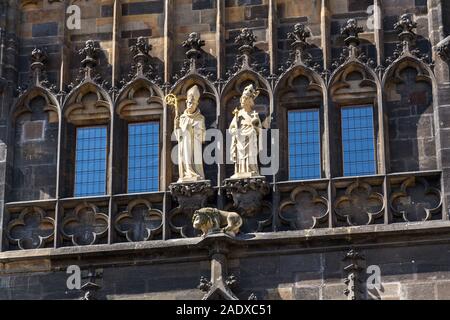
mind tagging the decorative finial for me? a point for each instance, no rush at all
(299, 34)
(298, 37)
(404, 28)
(246, 40)
(38, 57)
(194, 45)
(351, 33)
(141, 55)
(90, 288)
(90, 53)
(353, 281)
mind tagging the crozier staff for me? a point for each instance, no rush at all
(190, 133)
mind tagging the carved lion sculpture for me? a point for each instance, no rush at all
(212, 219)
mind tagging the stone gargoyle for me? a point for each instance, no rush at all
(214, 220)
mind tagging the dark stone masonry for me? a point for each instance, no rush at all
(376, 237)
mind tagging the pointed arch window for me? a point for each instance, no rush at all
(90, 163)
(143, 157)
(358, 141)
(304, 144)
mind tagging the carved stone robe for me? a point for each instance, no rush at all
(190, 136)
(245, 130)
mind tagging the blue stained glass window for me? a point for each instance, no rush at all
(90, 162)
(143, 157)
(304, 144)
(358, 140)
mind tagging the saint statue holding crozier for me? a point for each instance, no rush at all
(190, 133)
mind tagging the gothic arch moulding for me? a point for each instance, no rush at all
(353, 81)
(299, 88)
(34, 142)
(208, 96)
(87, 103)
(297, 82)
(424, 72)
(139, 98)
(354, 84)
(26, 100)
(409, 91)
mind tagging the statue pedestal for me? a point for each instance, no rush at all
(190, 196)
(247, 193)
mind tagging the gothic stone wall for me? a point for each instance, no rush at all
(407, 272)
(304, 264)
(42, 24)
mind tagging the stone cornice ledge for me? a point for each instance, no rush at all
(310, 240)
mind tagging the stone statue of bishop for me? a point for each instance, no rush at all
(245, 130)
(190, 132)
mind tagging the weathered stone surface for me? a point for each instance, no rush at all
(419, 291)
(136, 8)
(144, 259)
(333, 291)
(307, 293)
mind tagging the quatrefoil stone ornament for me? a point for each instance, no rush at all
(305, 209)
(416, 200)
(85, 225)
(140, 222)
(32, 229)
(359, 205)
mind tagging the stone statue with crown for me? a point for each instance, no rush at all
(246, 185)
(245, 130)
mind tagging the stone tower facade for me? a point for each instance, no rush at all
(66, 65)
